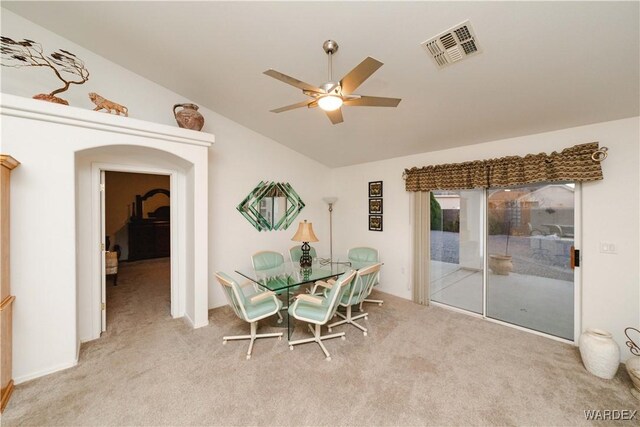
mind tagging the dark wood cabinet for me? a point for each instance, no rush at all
(149, 238)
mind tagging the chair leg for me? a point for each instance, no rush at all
(377, 301)
(350, 319)
(317, 337)
(254, 336)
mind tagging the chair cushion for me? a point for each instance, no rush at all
(363, 254)
(308, 311)
(266, 260)
(261, 308)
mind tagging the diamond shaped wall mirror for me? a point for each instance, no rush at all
(271, 206)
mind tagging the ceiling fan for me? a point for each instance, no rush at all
(332, 95)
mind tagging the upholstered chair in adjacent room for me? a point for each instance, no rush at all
(319, 310)
(355, 295)
(249, 308)
(295, 252)
(364, 255)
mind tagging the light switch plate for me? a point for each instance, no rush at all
(608, 248)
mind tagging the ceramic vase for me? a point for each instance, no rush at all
(633, 368)
(600, 353)
(188, 117)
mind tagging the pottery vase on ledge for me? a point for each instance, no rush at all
(188, 117)
(600, 353)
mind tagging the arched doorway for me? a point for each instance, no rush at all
(90, 164)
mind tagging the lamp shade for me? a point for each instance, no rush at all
(330, 200)
(305, 233)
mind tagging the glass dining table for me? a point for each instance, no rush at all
(289, 278)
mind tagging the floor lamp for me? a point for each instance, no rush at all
(330, 201)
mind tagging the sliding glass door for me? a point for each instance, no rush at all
(530, 238)
(528, 233)
(457, 256)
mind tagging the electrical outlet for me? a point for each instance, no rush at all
(608, 248)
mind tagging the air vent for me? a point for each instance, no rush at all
(453, 45)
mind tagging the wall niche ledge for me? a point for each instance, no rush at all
(17, 106)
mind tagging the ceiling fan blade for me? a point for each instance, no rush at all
(335, 116)
(293, 106)
(372, 101)
(359, 74)
(293, 82)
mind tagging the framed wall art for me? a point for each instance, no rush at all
(375, 222)
(375, 189)
(375, 206)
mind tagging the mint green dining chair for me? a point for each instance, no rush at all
(368, 255)
(251, 309)
(318, 310)
(267, 260)
(359, 289)
(295, 252)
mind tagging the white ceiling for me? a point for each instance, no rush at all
(544, 65)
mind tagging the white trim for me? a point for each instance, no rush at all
(577, 272)
(532, 331)
(457, 309)
(178, 280)
(103, 256)
(485, 250)
(37, 374)
(189, 320)
(17, 106)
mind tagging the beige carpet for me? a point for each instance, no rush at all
(418, 366)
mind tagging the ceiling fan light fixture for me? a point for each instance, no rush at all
(330, 102)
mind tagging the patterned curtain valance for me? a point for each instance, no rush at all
(577, 163)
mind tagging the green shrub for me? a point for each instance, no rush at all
(436, 214)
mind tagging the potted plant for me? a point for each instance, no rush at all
(501, 263)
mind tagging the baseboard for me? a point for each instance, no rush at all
(189, 320)
(42, 373)
(4, 399)
(202, 325)
(193, 324)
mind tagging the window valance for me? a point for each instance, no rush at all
(578, 163)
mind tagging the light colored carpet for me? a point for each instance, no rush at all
(418, 366)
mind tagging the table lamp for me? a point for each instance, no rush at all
(305, 235)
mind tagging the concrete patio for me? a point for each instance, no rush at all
(539, 303)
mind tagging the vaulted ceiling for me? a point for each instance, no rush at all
(543, 66)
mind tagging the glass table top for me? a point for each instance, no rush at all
(290, 274)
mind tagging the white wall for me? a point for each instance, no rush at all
(238, 161)
(51, 270)
(611, 284)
